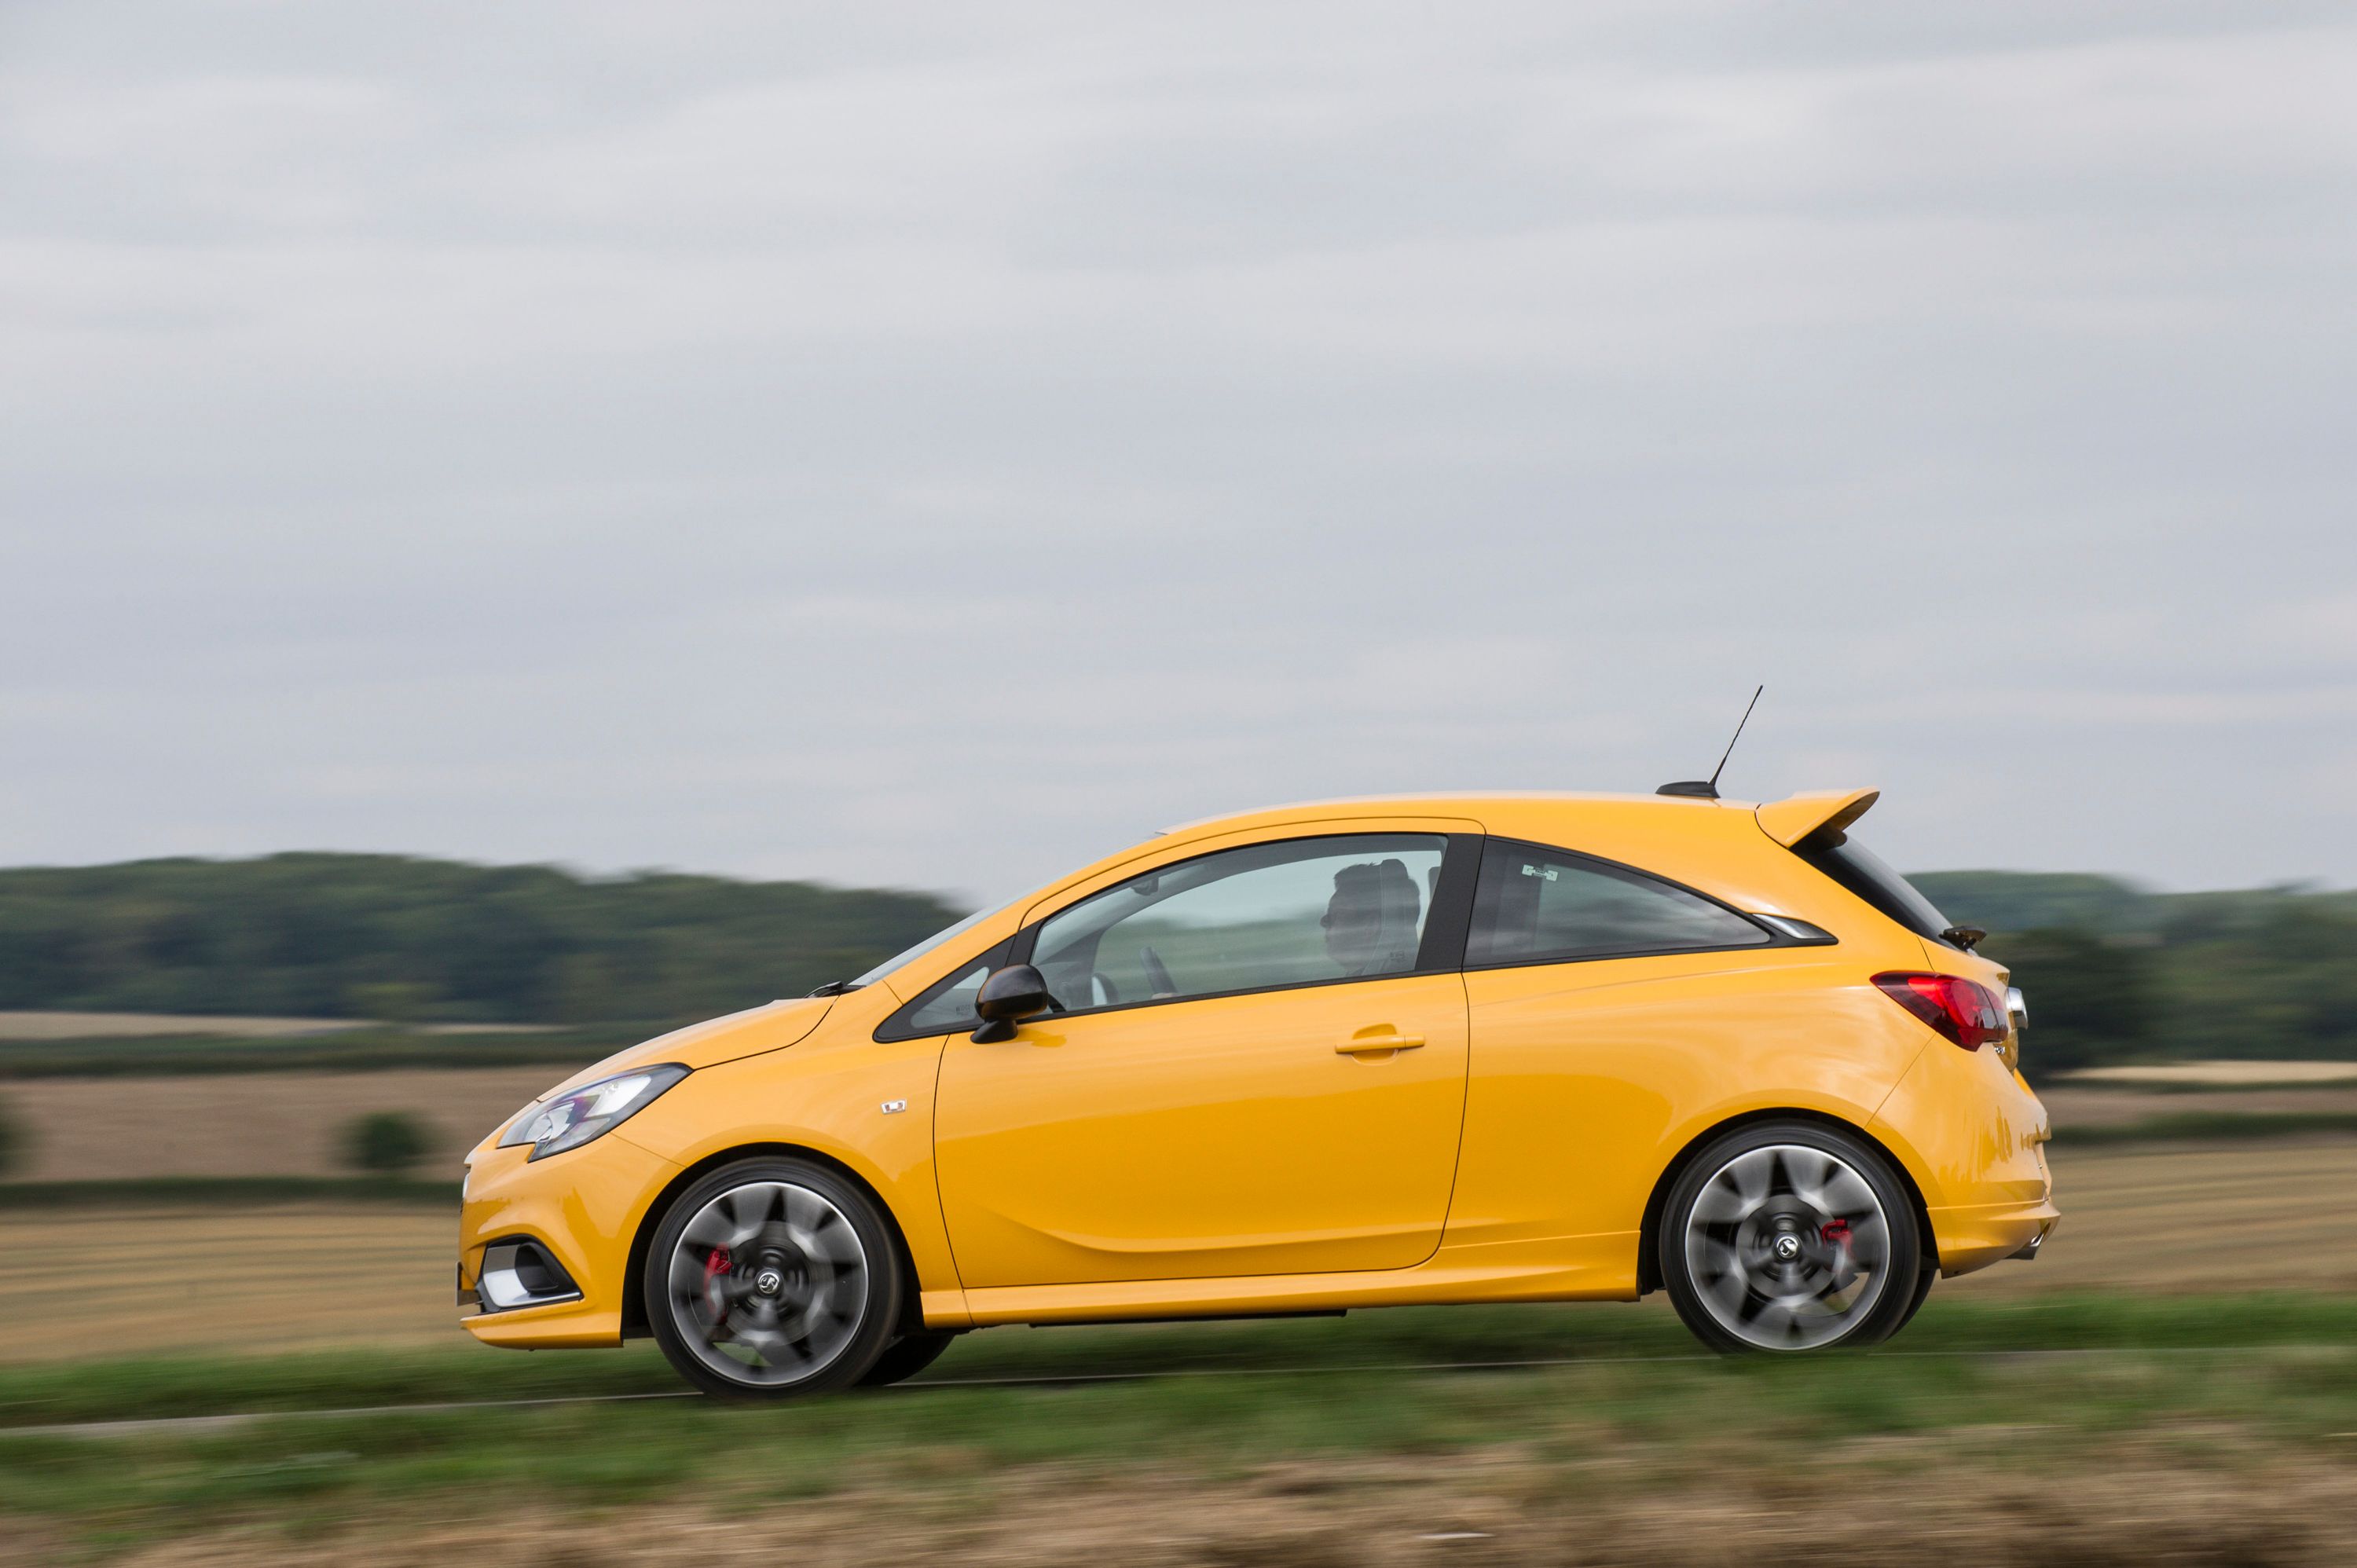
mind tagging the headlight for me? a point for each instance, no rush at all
(572, 1120)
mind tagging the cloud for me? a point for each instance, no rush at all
(934, 450)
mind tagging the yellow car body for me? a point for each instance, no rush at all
(1463, 1133)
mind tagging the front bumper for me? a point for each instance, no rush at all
(545, 1245)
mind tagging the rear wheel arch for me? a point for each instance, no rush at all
(1649, 1269)
(634, 1306)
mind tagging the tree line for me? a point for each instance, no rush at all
(418, 940)
(2112, 972)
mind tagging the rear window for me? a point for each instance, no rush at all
(1862, 871)
(1535, 904)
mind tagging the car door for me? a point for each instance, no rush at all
(1260, 1070)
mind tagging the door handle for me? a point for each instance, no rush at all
(1380, 1041)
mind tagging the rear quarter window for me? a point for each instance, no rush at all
(1536, 905)
(1865, 874)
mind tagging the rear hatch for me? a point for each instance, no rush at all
(1818, 829)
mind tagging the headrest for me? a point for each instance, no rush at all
(1371, 920)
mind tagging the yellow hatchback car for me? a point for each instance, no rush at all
(1360, 1053)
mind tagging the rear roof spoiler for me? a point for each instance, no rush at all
(1789, 821)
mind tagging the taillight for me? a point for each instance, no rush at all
(1970, 1015)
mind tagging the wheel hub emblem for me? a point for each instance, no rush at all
(768, 1282)
(1787, 1247)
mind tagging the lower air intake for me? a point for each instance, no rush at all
(520, 1272)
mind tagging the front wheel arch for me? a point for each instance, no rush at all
(634, 1306)
(1649, 1267)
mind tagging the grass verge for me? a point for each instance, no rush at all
(48, 1393)
(2231, 1381)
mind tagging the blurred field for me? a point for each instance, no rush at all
(253, 1124)
(261, 1279)
(2220, 1074)
(2078, 1110)
(38, 1025)
(362, 1047)
(2193, 1217)
(20, 1026)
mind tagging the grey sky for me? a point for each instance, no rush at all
(936, 446)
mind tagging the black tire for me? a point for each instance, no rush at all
(1790, 1236)
(785, 1273)
(905, 1357)
(1926, 1276)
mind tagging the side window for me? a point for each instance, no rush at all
(1532, 905)
(1291, 913)
(947, 1004)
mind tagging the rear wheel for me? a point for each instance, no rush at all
(1790, 1236)
(772, 1277)
(905, 1357)
(1926, 1276)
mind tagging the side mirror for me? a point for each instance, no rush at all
(1006, 998)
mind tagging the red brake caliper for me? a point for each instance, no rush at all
(1835, 1231)
(716, 1264)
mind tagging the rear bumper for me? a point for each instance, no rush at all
(1973, 1238)
(1974, 1137)
(2013, 1226)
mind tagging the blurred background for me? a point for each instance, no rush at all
(524, 527)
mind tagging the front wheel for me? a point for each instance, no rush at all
(772, 1277)
(1790, 1236)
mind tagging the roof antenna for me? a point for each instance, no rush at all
(1708, 789)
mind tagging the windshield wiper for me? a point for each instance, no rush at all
(836, 988)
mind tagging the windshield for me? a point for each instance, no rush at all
(928, 945)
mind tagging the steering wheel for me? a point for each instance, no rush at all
(1157, 974)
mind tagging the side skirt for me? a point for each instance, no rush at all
(1583, 1268)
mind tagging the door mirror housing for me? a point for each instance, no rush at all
(1006, 998)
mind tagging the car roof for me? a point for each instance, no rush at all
(1569, 818)
(1515, 802)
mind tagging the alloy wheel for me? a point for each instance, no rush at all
(769, 1284)
(1787, 1247)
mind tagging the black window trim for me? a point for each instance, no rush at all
(1776, 938)
(1448, 930)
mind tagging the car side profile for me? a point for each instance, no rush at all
(1350, 1054)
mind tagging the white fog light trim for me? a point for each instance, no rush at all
(520, 1272)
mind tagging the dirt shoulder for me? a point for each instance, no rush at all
(2180, 1495)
